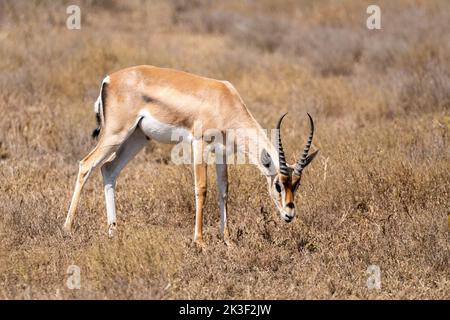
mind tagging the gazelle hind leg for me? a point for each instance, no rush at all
(104, 149)
(112, 169)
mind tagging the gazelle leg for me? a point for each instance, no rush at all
(222, 191)
(200, 176)
(104, 149)
(111, 170)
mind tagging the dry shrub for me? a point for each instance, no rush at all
(377, 194)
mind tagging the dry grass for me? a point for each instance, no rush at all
(378, 194)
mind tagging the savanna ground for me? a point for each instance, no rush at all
(378, 194)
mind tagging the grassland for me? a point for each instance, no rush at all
(379, 193)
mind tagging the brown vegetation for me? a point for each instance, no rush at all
(377, 194)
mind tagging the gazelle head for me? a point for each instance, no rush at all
(284, 182)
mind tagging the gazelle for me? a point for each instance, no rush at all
(146, 102)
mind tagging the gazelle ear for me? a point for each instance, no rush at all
(311, 157)
(266, 161)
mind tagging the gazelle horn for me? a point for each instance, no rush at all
(284, 170)
(305, 159)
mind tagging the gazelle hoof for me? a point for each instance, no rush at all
(228, 243)
(200, 244)
(112, 230)
(67, 228)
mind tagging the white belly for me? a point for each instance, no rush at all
(162, 132)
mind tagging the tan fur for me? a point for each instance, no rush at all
(178, 98)
(289, 188)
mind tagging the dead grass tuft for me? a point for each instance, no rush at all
(377, 194)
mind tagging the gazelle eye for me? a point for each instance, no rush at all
(278, 187)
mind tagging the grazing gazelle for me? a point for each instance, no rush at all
(146, 102)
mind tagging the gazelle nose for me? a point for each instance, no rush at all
(289, 215)
(289, 212)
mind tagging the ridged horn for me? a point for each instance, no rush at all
(305, 159)
(284, 170)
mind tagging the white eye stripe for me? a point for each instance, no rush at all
(283, 198)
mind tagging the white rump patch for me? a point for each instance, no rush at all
(98, 103)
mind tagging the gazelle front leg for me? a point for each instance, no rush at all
(222, 191)
(200, 177)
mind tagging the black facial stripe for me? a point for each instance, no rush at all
(148, 99)
(278, 187)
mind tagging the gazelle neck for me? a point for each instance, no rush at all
(257, 141)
